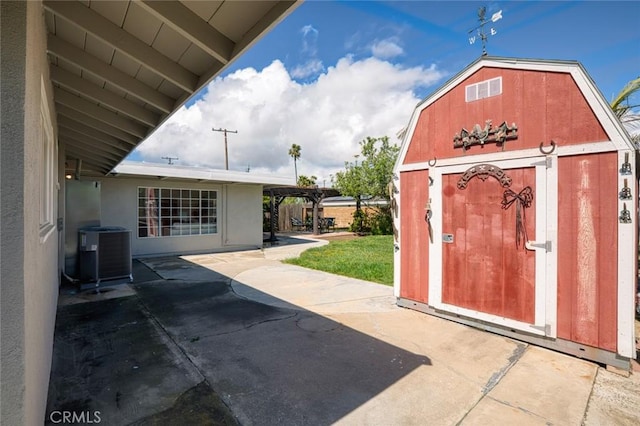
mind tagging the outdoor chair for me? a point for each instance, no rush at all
(330, 223)
(297, 224)
(326, 223)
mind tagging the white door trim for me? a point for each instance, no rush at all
(546, 260)
(627, 253)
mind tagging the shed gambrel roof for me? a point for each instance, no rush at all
(608, 120)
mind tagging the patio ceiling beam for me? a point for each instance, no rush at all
(192, 27)
(88, 131)
(89, 164)
(93, 23)
(93, 167)
(77, 103)
(90, 169)
(65, 111)
(269, 20)
(103, 96)
(205, 78)
(99, 150)
(92, 145)
(76, 151)
(88, 158)
(103, 70)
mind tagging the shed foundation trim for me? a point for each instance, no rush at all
(580, 351)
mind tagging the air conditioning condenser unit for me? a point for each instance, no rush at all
(105, 255)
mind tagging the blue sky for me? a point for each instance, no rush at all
(332, 73)
(603, 35)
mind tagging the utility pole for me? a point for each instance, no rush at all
(170, 159)
(226, 150)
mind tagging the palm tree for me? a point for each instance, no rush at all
(294, 152)
(620, 104)
(625, 112)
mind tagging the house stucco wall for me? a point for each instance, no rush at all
(13, 21)
(243, 212)
(29, 273)
(239, 215)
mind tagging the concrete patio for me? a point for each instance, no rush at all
(240, 337)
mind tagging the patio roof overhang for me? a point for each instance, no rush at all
(129, 169)
(119, 69)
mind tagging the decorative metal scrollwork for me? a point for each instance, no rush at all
(625, 169)
(522, 200)
(625, 192)
(427, 218)
(483, 171)
(482, 135)
(549, 152)
(625, 215)
(393, 190)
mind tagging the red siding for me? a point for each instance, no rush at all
(483, 269)
(414, 236)
(588, 249)
(544, 105)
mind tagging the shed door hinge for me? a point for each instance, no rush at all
(547, 162)
(532, 245)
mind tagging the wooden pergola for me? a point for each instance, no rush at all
(278, 194)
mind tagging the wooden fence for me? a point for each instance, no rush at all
(288, 211)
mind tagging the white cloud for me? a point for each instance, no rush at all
(310, 68)
(386, 49)
(309, 39)
(327, 117)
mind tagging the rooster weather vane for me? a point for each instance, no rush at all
(482, 12)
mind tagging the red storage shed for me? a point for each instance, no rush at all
(516, 207)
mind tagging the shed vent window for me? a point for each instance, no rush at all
(484, 89)
(164, 212)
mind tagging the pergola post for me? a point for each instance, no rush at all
(278, 194)
(315, 215)
(272, 218)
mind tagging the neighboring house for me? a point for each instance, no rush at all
(342, 209)
(83, 83)
(517, 206)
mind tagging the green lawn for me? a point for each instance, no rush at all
(367, 258)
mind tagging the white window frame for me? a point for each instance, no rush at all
(472, 91)
(47, 154)
(160, 216)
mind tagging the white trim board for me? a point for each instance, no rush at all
(545, 320)
(560, 151)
